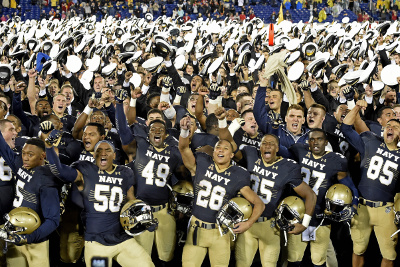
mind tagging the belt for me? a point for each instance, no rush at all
(373, 204)
(158, 208)
(207, 226)
(262, 219)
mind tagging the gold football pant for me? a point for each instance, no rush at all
(127, 253)
(164, 237)
(206, 240)
(381, 220)
(318, 248)
(32, 255)
(71, 242)
(259, 236)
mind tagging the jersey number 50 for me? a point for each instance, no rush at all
(109, 199)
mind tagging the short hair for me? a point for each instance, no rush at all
(48, 117)
(396, 120)
(3, 123)
(155, 110)
(104, 141)
(274, 136)
(330, 84)
(277, 90)
(296, 107)
(240, 96)
(320, 131)
(158, 121)
(16, 118)
(245, 112)
(41, 100)
(226, 141)
(380, 111)
(211, 121)
(3, 105)
(315, 105)
(100, 128)
(8, 100)
(36, 142)
(150, 97)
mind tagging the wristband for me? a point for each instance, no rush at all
(165, 89)
(170, 113)
(222, 123)
(177, 99)
(88, 110)
(306, 220)
(214, 101)
(185, 133)
(351, 104)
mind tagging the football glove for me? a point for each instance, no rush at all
(215, 91)
(120, 95)
(46, 127)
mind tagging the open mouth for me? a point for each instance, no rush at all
(87, 144)
(45, 113)
(343, 116)
(310, 121)
(220, 155)
(103, 161)
(157, 138)
(295, 125)
(193, 106)
(253, 127)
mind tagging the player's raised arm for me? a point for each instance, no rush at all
(187, 155)
(127, 139)
(64, 172)
(305, 192)
(224, 133)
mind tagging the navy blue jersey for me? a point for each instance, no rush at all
(104, 194)
(6, 175)
(212, 189)
(36, 188)
(242, 138)
(203, 139)
(319, 173)
(379, 165)
(153, 169)
(270, 180)
(142, 130)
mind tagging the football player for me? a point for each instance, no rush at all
(36, 188)
(155, 162)
(216, 181)
(270, 175)
(104, 187)
(380, 160)
(319, 175)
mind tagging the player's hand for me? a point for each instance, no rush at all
(46, 127)
(54, 137)
(167, 82)
(241, 227)
(16, 239)
(220, 113)
(136, 93)
(215, 91)
(128, 75)
(349, 93)
(120, 95)
(181, 90)
(304, 85)
(163, 106)
(32, 73)
(203, 91)
(347, 213)
(362, 104)
(298, 229)
(185, 123)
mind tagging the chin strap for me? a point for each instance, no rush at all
(395, 233)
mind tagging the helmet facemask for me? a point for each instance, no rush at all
(286, 217)
(137, 218)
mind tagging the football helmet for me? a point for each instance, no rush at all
(338, 201)
(21, 221)
(236, 210)
(181, 197)
(137, 217)
(290, 211)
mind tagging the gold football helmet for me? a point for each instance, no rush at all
(137, 217)
(21, 220)
(236, 210)
(290, 211)
(181, 197)
(338, 201)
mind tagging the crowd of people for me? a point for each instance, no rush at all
(278, 138)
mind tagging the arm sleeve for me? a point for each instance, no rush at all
(7, 154)
(347, 181)
(50, 206)
(261, 111)
(353, 138)
(319, 98)
(18, 111)
(64, 172)
(122, 126)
